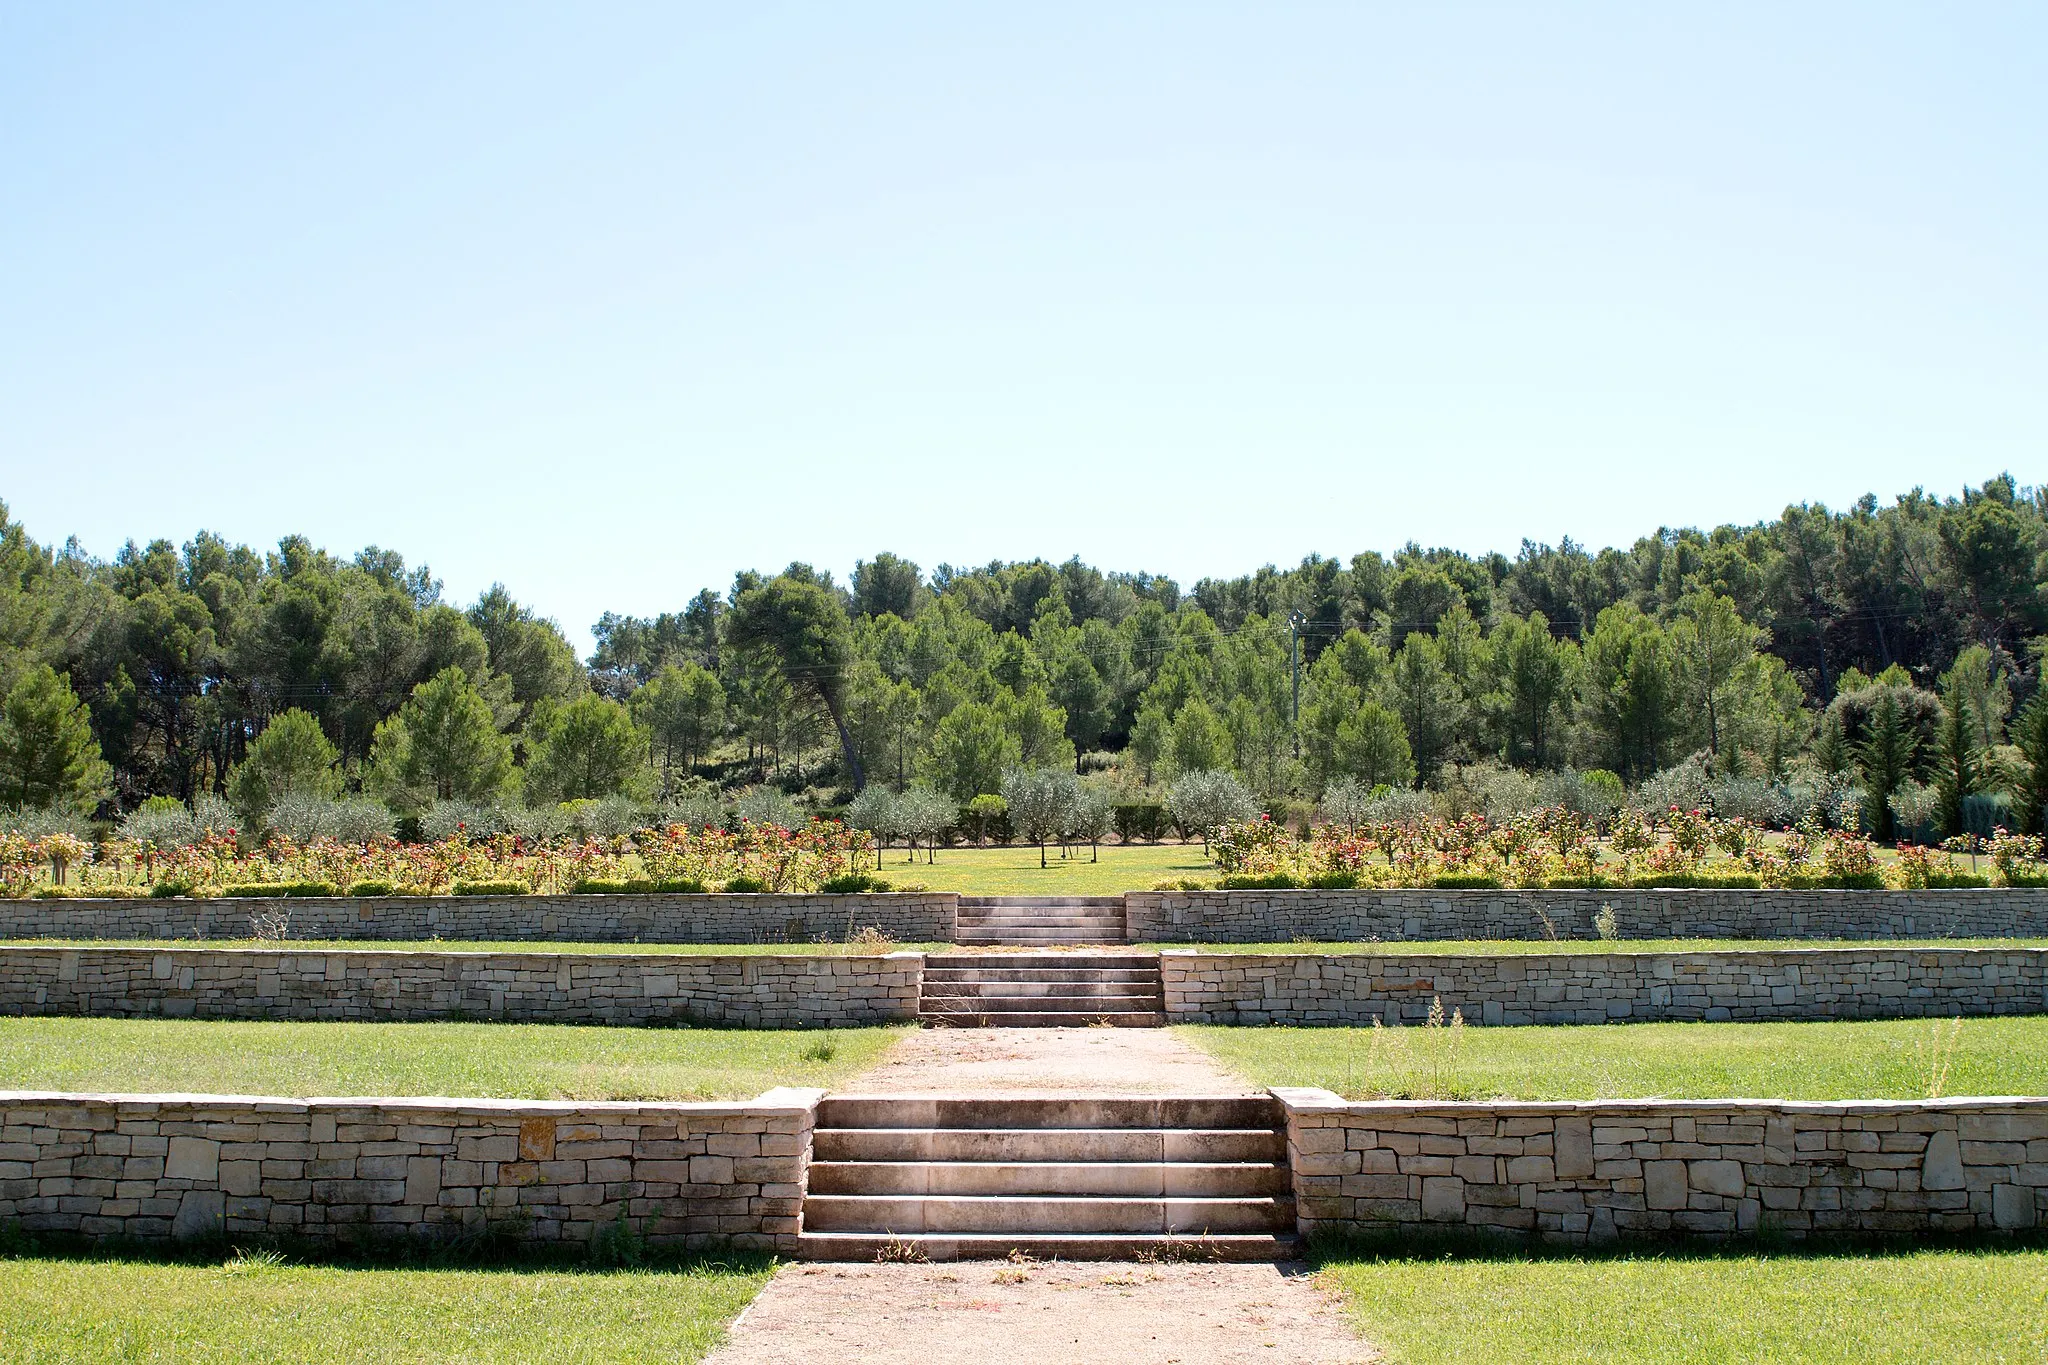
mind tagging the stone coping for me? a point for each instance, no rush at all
(791, 1099)
(1315, 1099)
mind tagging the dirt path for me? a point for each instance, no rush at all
(997, 1313)
(1080, 1060)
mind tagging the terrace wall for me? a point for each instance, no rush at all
(1367, 916)
(907, 917)
(153, 1168)
(741, 990)
(1609, 1169)
(1591, 987)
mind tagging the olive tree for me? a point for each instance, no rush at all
(1207, 799)
(1039, 801)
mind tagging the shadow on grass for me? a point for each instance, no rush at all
(1469, 1245)
(617, 1247)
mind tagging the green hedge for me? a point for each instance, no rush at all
(637, 886)
(273, 890)
(854, 883)
(372, 889)
(502, 888)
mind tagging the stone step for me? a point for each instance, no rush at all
(1129, 1179)
(1084, 960)
(1025, 986)
(1069, 1112)
(1067, 999)
(1043, 975)
(1042, 1018)
(1033, 902)
(1193, 1146)
(1044, 1214)
(862, 1246)
(1023, 934)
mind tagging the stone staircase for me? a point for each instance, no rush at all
(1113, 1178)
(1029, 921)
(1042, 990)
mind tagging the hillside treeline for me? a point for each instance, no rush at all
(1801, 640)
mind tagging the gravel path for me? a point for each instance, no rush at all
(999, 1313)
(1077, 1060)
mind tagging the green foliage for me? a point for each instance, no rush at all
(1140, 820)
(490, 888)
(581, 751)
(2030, 785)
(272, 890)
(372, 888)
(745, 886)
(48, 756)
(292, 757)
(854, 883)
(443, 745)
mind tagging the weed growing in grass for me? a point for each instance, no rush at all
(823, 1050)
(1605, 923)
(1937, 1052)
(898, 1251)
(1431, 1075)
(618, 1245)
(868, 941)
(252, 1261)
(272, 926)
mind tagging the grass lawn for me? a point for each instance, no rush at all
(1015, 871)
(1880, 1059)
(251, 1310)
(450, 945)
(1946, 1305)
(1494, 947)
(509, 1061)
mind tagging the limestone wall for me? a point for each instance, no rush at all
(151, 1168)
(1590, 987)
(740, 990)
(907, 917)
(1629, 1168)
(1365, 916)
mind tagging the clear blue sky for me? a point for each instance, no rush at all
(608, 301)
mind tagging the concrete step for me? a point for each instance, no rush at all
(863, 1246)
(1044, 1214)
(1127, 1179)
(1085, 1112)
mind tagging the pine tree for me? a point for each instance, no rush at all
(2030, 792)
(48, 756)
(1958, 774)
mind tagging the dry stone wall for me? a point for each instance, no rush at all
(153, 1168)
(1367, 916)
(1603, 987)
(907, 917)
(741, 990)
(1709, 1169)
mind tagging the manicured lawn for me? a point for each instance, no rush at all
(243, 1310)
(450, 945)
(1015, 871)
(1882, 1059)
(511, 1061)
(1584, 947)
(1988, 1306)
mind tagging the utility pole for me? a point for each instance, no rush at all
(1295, 621)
